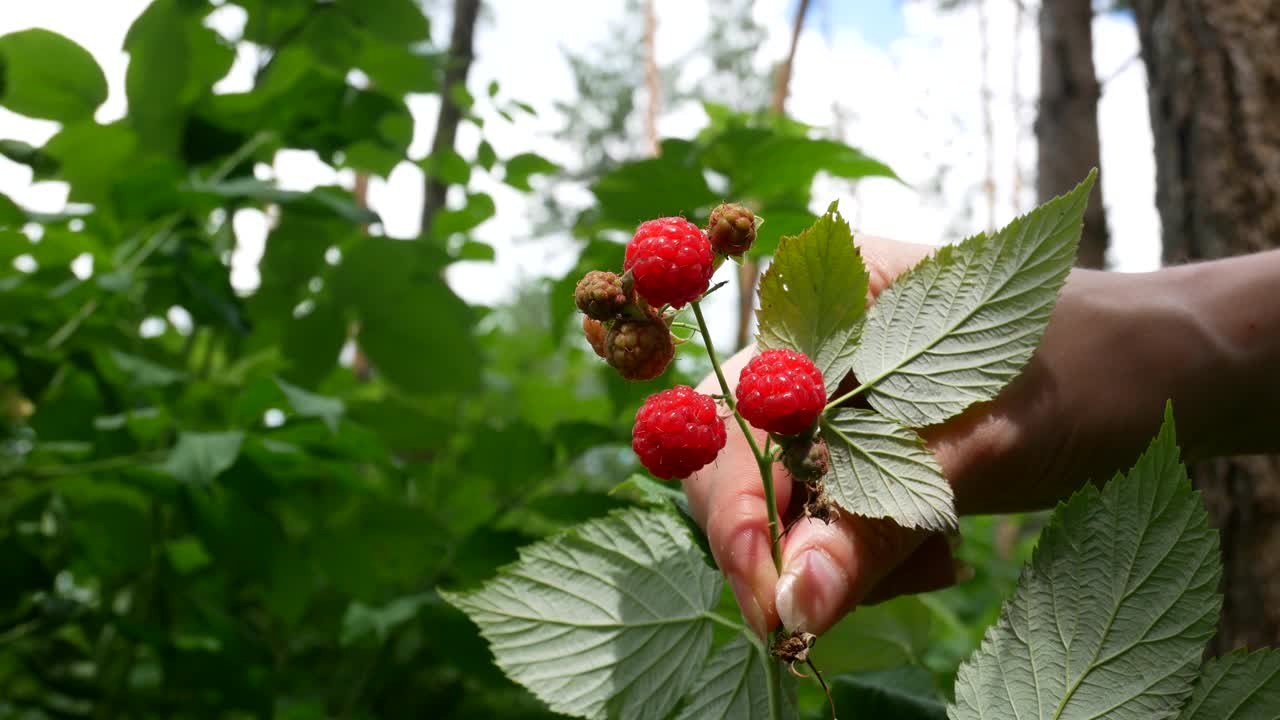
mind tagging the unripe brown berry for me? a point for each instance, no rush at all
(731, 229)
(600, 295)
(807, 460)
(596, 333)
(639, 349)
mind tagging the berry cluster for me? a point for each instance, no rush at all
(627, 319)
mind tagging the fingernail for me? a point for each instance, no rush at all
(810, 592)
(751, 611)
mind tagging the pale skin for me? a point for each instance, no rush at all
(1117, 347)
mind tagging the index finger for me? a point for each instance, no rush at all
(727, 500)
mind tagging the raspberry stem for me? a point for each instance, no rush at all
(764, 462)
(762, 458)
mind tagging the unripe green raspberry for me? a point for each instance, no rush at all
(600, 295)
(639, 349)
(731, 229)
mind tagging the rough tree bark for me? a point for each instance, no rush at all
(1067, 122)
(1214, 75)
(458, 65)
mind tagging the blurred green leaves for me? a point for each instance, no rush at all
(45, 75)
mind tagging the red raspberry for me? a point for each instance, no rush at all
(671, 261)
(596, 333)
(639, 349)
(677, 432)
(731, 229)
(781, 391)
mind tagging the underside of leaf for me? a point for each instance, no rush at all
(610, 619)
(1112, 613)
(962, 324)
(882, 469)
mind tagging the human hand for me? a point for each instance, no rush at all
(1013, 453)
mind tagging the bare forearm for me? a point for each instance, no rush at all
(1236, 307)
(1206, 336)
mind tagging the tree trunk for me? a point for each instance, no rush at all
(749, 273)
(455, 73)
(1214, 75)
(1067, 124)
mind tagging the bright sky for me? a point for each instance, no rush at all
(903, 76)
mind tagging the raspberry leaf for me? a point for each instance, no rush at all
(1113, 612)
(1238, 686)
(612, 618)
(813, 296)
(960, 325)
(732, 686)
(881, 469)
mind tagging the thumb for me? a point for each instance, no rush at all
(827, 569)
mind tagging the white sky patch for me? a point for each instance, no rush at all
(914, 104)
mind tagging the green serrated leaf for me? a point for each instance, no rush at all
(1238, 686)
(610, 619)
(960, 325)
(882, 469)
(45, 75)
(1113, 612)
(813, 296)
(733, 686)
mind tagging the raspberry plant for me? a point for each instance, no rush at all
(619, 616)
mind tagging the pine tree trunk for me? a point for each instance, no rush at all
(1214, 73)
(1067, 123)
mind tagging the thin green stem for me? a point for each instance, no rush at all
(770, 500)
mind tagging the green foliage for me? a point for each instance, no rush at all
(1113, 612)
(1239, 686)
(959, 326)
(45, 75)
(611, 619)
(813, 297)
(882, 469)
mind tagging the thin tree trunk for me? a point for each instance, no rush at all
(455, 73)
(988, 123)
(749, 272)
(1214, 77)
(651, 76)
(1067, 124)
(1019, 181)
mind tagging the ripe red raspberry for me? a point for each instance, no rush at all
(731, 229)
(600, 295)
(677, 432)
(596, 333)
(781, 391)
(639, 349)
(671, 261)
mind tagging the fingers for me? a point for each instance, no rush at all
(827, 569)
(886, 259)
(727, 500)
